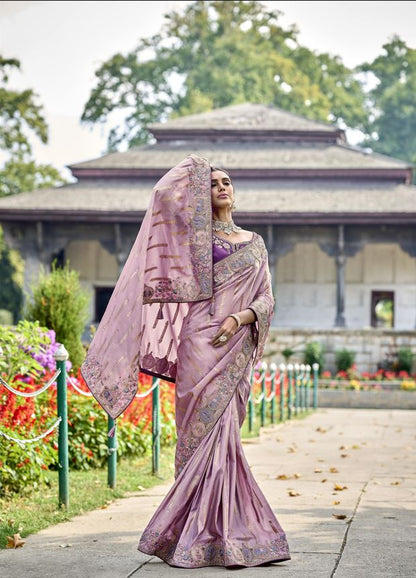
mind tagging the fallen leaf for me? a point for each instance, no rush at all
(339, 488)
(66, 545)
(395, 483)
(323, 480)
(15, 542)
(312, 441)
(333, 470)
(336, 502)
(140, 488)
(344, 455)
(292, 493)
(291, 450)
(317, 471)
(282, 477)
(340, 516)
(355, 447)
(296, 475)
(343, 447)
(321, 429)
(321, 460)
(104, 507)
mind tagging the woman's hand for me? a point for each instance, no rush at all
(225, 332)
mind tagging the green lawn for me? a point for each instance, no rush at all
(27, 514)
(88, 490)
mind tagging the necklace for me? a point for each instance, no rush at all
(228, 228)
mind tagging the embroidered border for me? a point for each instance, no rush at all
(251, 255)
(210, 407)
(115, 398)
(200, 240)
(167, 548)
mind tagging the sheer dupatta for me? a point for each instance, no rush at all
(169, 266)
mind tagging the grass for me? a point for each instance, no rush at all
(88, 490)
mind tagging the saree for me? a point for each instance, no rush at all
(167, 306)
(215, 513)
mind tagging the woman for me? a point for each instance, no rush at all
(193, 305)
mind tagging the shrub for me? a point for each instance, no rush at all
(314, 353)
(405, 359)
(344, 359)
(23, 469)
(60, 303)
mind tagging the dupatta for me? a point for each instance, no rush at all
(169, 266)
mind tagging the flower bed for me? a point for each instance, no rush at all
(381, 389)
(27, 364)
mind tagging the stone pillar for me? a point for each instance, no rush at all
(120, 250)
(340, 261)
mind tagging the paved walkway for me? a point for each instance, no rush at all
(347, 502)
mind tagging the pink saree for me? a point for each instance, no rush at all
(215, 514)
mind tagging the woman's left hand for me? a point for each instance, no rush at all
(225, 332)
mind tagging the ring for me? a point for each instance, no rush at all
(222, 338)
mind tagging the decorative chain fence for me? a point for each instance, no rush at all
(292, 389)
(285, 390)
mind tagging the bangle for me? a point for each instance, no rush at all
(236, 319)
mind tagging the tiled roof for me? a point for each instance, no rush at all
(251, 197)
(245, 117)
(246, 156)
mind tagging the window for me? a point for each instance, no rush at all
(382, 309)
(102, 297)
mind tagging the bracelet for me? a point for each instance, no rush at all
(236, 319)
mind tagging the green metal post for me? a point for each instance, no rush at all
(308, 382)
(302, 388)
(315, 367)
(289, 391)
(112, 455)
(61, 356)
(297, 389)
(155, 429)
(273, 368)
(263, 399)
(282, 392)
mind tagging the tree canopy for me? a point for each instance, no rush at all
(20, 118)
(392, 123)
(215, 54)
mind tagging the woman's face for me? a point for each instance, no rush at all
(222, 190)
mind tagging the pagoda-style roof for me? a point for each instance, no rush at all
(281, 160)
(288, 201)
(246, 121)
(286, 169)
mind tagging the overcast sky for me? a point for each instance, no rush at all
(61, 44)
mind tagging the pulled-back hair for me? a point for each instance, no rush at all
(213, 169)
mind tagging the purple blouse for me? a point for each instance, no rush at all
(222, 248)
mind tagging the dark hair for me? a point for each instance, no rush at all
(213, 169)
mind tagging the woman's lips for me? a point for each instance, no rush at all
(223, 196)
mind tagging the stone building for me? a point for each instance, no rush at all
(339, 222)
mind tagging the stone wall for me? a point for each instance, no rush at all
(370, 345)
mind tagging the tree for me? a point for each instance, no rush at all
(20, 118)
(216, 54)
(392, 122)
